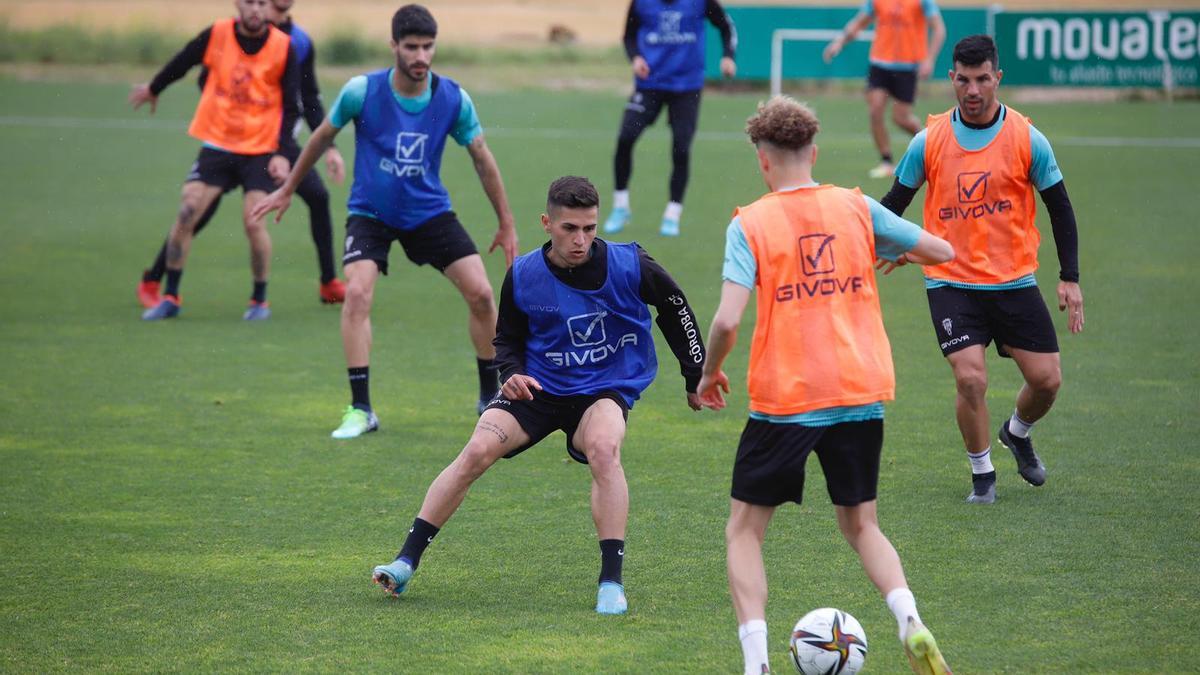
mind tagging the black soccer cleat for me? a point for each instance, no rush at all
(983, 488)
(1029, 465)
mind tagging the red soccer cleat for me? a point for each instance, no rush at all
(333, 293)
(147, 293)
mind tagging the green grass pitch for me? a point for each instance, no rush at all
(170, 499)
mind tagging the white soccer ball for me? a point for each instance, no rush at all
(828, 641)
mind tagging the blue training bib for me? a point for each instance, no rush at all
(671, 39)
(398, 155)
(586, 342)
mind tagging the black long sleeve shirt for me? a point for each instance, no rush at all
(675, 318)
(712, 11)
(192, 55)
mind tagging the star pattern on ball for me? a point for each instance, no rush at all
(837, 641)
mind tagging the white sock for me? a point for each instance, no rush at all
(981, 462)
(673, 211)
(753, 635)
(1019, 427)
(903, 606)
(620, 199)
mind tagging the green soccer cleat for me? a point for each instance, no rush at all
(922, 651)
(355, 423)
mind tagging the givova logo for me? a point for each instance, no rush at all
(587, 329)
(972, 188)
(816, 259)
(669, 30)
(410, 155)
(589, 336)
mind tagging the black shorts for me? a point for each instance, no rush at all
(1017, 318)
(228, 170)
(439, 241)
(644, 106)
(899, 84)
(548, 413)
(769, 469)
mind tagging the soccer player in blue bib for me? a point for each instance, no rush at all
(664, 40)
(403, 117)
(576, 351)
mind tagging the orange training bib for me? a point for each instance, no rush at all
(819, 340)
(241, 107)
(981, 201)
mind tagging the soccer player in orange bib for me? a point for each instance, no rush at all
(820, 366)
(908, 36)
(982, 161)
(249, 105)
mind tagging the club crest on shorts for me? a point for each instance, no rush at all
(947, 326)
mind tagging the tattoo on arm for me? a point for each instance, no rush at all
(495, 429)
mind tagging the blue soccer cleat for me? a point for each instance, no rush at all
(257, 311)
(610, 599)
(669, 227)
(394, 576)
(617, 220)
(167, 308)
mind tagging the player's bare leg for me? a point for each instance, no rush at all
(970, 407)
(876, 105)
(356, 312)
(860, 526)
(470, 278)
(194, 201)
(599, 436)
(260, 253)
(195, 198)
(903, 117)
(744, 534)
(1043, 377)
(496, 434)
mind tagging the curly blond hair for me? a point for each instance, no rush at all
(783, 122)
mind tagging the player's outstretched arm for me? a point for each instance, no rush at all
(280, 199)
(930, 250)
(936, 39)
(851, 30)
(493, 184)
(722, 336)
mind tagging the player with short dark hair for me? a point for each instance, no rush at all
(247, 109)
(311, 190)
(908, 36)
(664, 40)
(982, 161)
(820, 366)
(403, 117)
(575, 348)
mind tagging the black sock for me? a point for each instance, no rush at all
(887, 157)
(260, 292)
(612, 554)
(360, 387)
(173, 277)
(420, 536)
(489, 378)
(156, 272)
